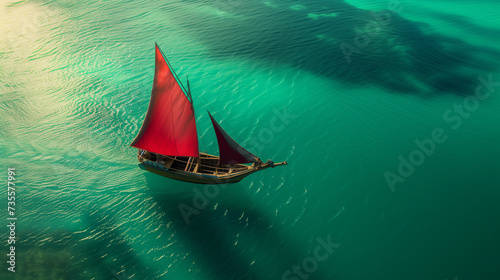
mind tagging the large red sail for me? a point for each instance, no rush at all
(169, 127)
(230, 151)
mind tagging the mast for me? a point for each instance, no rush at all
(189, 90)
(198, 161)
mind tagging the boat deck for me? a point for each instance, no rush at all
(208, 164)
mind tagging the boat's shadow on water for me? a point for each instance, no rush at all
(233, 240)
(335, 39)
(107, 253)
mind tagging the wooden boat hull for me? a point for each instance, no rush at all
(196, 178)
(203, 178)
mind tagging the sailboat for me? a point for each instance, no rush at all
(167, 142)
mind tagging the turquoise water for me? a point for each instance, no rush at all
(295, 81)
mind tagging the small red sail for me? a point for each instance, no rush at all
(230, 151)
(170, 126)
